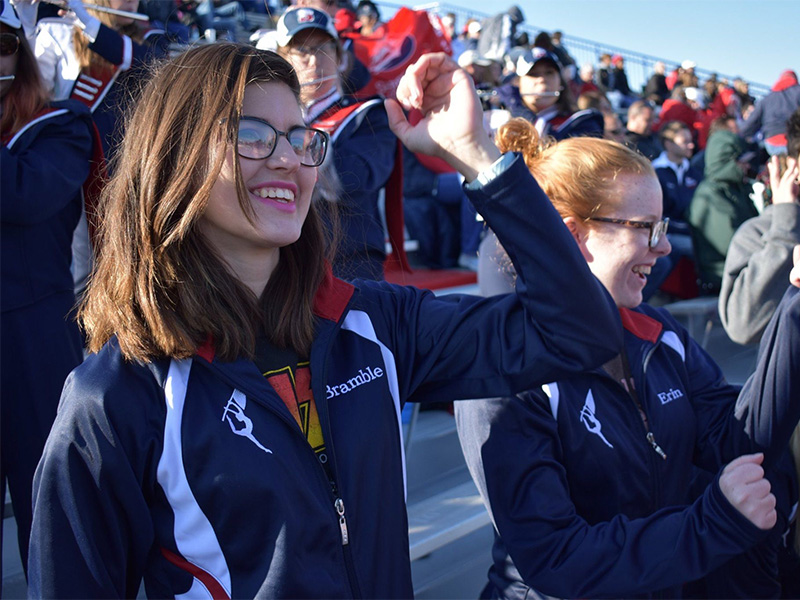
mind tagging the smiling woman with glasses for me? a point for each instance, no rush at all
(587, 478)
(236, 431)
(657, 228)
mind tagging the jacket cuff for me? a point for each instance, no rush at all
(786, 218)
(496, 169)
(736, 528)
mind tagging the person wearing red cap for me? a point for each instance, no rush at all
(619, 92)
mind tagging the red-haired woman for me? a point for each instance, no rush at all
(45, 160)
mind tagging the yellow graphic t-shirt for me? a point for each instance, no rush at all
(291, 379)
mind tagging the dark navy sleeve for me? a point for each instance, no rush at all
(119, 49)
(92, 529)
(767, 408)
(513, 451)
(753, 123)
(365, 157)
(57, 158)
(769, 404)
(560, 320)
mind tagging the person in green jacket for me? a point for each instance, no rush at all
(720, 204)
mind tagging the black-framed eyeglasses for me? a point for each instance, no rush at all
(9, 44)
(657, 228)
(257, 140)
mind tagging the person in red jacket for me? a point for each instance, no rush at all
(677, 108)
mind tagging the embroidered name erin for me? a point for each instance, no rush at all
(363, 377)
(669, 396)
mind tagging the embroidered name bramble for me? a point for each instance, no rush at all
(364, 376)
(667, 397)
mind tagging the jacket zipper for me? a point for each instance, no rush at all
(338, 502)
(339, 506)
(649, 436)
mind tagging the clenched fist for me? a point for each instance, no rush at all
(745, 487)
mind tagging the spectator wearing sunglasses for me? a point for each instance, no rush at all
(236, 432)
(363, 148)
(46, 149)
(587, 478)
(543, 97)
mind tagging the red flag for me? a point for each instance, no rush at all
(396, 45)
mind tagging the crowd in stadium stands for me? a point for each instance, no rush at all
(726, 164)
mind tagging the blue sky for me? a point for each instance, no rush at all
(756, 39)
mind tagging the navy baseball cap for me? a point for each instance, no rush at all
(296, 20)
(8, 15)
(533, 56)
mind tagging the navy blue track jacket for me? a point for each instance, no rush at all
(585, 506)
(143, 476)
(43, 168)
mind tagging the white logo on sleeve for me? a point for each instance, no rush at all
(240, 423)
(589, 418)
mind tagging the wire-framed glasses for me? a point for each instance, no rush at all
(257, 140)
(657, 228)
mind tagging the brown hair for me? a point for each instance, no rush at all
(793, 140)
(158, 285)
(27, 95)
(594, 99)
(670, 129)
(577, 174)
(87, 57)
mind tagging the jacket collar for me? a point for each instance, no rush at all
(330, 303)
(663, 162)
(640, 325)
(332, 297)
(316, 108)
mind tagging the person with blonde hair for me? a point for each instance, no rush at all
(237, 430)
(587, 478)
